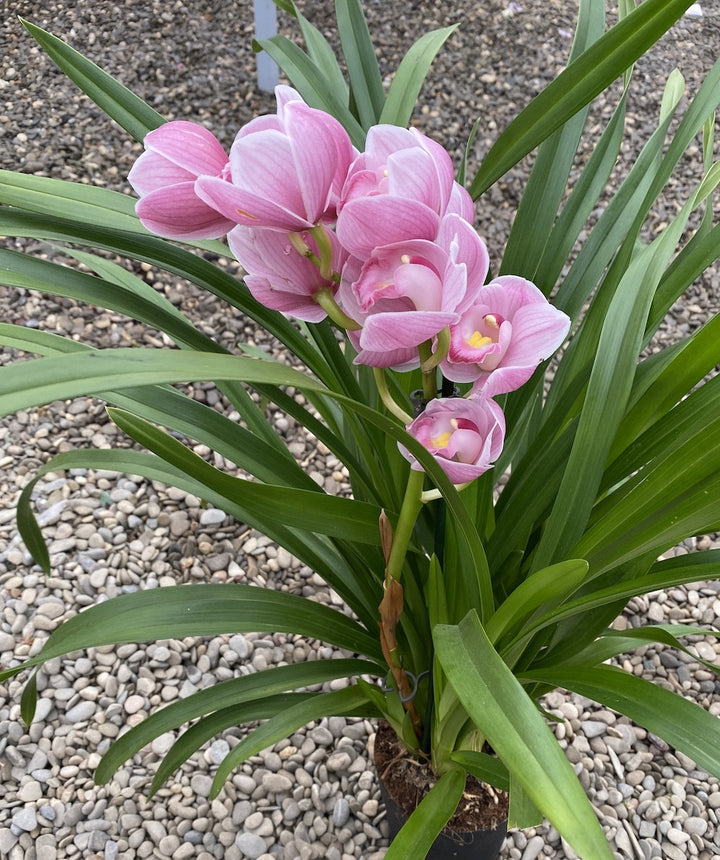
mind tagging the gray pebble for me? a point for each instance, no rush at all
(251, 845)
(79, 713)
(277, 783)
(218, 750)
(25, 819)
(341, 812)
(47, 812)
(533, 848)
(7, 642)
(212, 517)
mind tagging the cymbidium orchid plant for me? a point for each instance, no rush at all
(500, 519)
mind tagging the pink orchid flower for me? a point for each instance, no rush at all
(502, 338)
(465, 436)
(286, 169)
(164, 176)
(407, 292)
(397, 189)
(278, 276)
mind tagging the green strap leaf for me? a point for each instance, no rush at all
(117, 101)
(362, 65)
(201, 610)
(663, 574)
(322, 55)
(508, 718)
(614, 642)
(296, 509)
(59, 198)
(682, 723)
(225, 694)
(609, 389)
(483, 766)
(577, 85)
(310, 82)
(207, 727)
(417, 835)
(410, 76)
(548, 178)
(42, 380)
(538, 592)
(351, 700)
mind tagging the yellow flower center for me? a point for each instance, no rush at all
(442, 441)
(477, 340)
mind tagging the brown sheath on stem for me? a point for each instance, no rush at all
(391, 607)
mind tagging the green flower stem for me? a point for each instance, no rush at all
(302, 247)
(443, 346)
(434, 494)
(412, 503)
(322, 240)
(326, 300)
(429, 376)
(392, 406)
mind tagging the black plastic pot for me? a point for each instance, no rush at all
(475, 845)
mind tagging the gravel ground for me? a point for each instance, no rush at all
(314, 794)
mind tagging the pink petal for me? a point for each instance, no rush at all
(388, 331)
(461, 241)
(383, 140)
(312, 135)
(293, 304)
(367, 223)
(461, 204)
(537, 332)
(177, 213)
(412, 174)
(245, 207)
(399, 359)
(152, 172)
(188, 145)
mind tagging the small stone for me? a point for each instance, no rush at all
(218, 750)
(7, 841)
(341, 812)
(134, 704)
(339, 761)
(593, 728)
(47, 812)
(163, 743)
(201, 784)
(7, 642)
(277, 783)
(212, 517)
(45, 847)
(30, 792)
(533, 848)
(677, 837)
(251, 845)
(79, 713)
(25, 819)
(695, 826)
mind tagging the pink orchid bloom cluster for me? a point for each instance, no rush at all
(382, 241)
